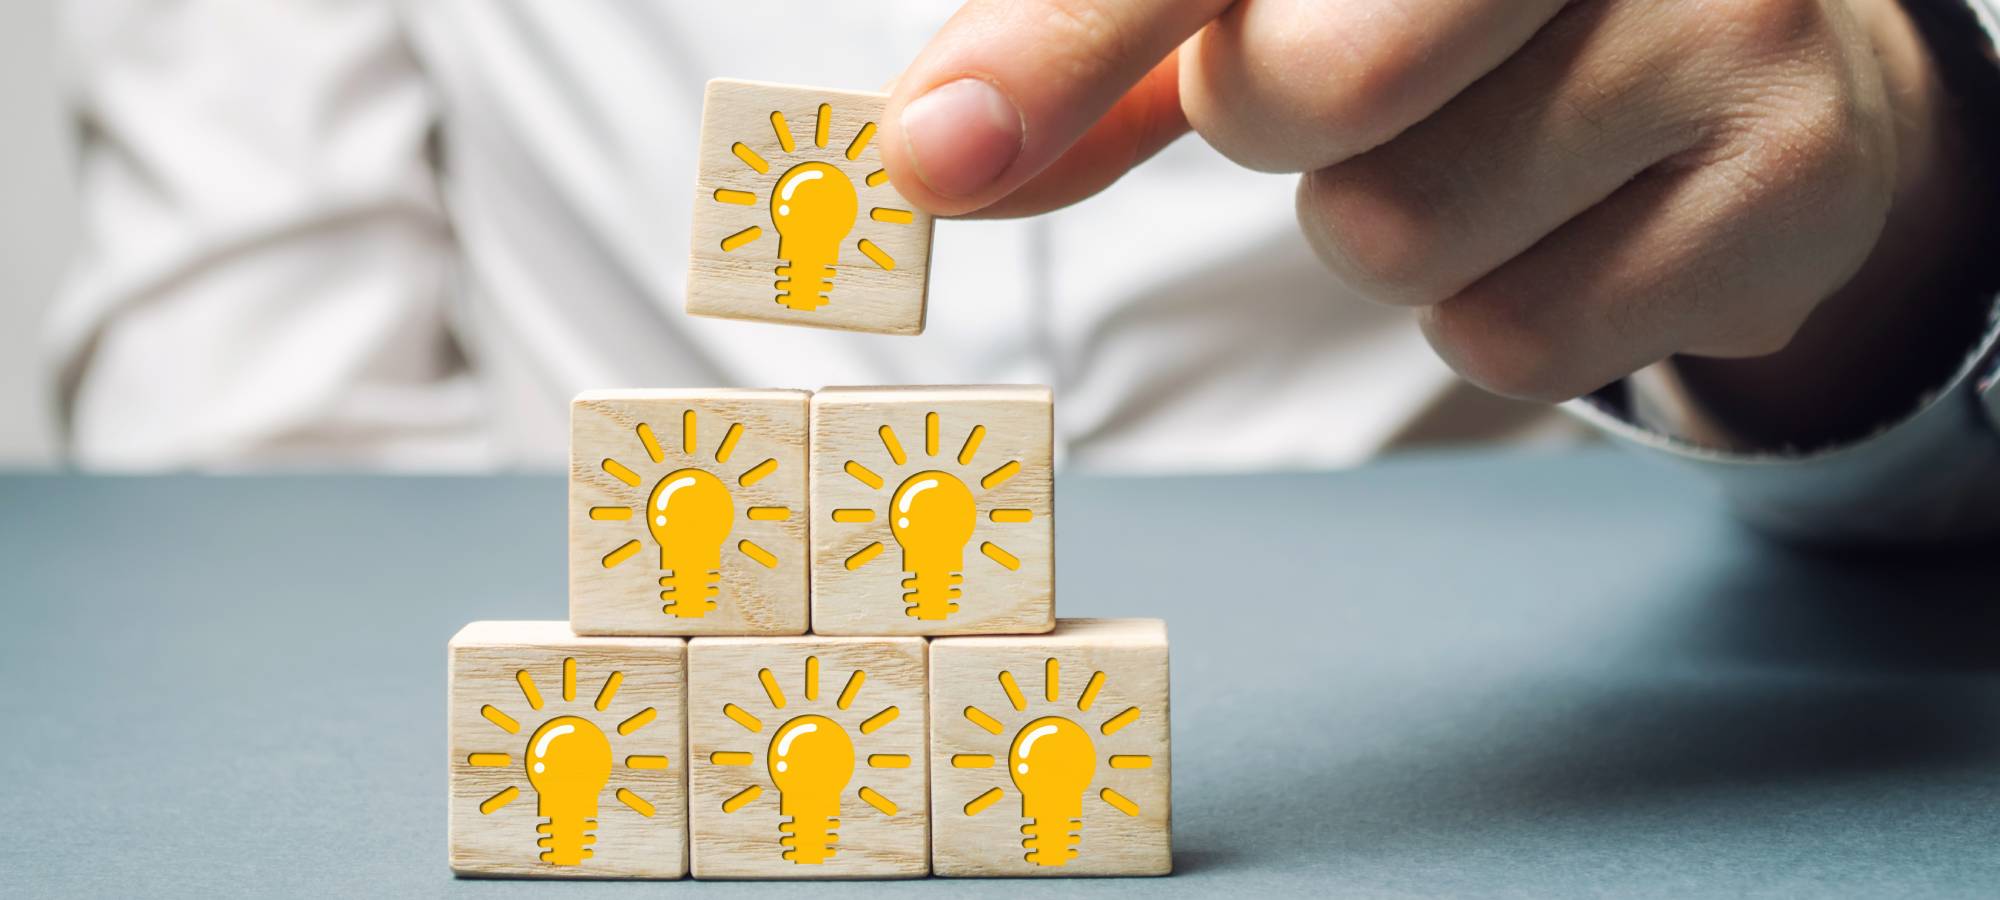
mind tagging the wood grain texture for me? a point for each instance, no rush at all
(965, 673)
(486, 662)
(745, 843)
(625, 598)
(738, 283)
(1007, 588)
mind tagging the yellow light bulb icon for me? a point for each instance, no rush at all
(689, 516)
(1052, 762)
(811, 761)
(932, 516)
(569, 761)
(813, 207)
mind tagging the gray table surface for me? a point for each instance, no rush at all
(1449, 675)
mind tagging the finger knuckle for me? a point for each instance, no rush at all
(1092, 41)
(1331, 98)
(1759, 28)
(1491, 343)
(1379, 235)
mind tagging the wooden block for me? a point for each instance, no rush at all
(1061, 737)
(674, 494)
(794, 219)
(576, 742)
(933, 510)
(799, 739)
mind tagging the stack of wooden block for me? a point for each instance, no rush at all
(810, 636)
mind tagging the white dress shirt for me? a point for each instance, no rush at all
(406, 234)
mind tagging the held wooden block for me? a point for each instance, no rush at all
(794, 219)
(933, 510)
(687, 512)
(809, 757)
(1049, 753)
(568, 754)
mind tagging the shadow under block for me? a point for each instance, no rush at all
(1050, 753)
(687, 512)
(568, 754)
(794, 219)
(933, 510)
(808, 757)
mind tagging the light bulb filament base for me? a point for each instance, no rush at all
(804, 285)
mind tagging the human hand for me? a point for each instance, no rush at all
(1567, 191)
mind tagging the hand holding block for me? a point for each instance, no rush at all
(933, 510)
(1049, 753)
(687, 512)
(808, 758)
(795, 221)
(568, 754)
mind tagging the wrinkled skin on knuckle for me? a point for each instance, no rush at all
(1378, 237)
(1091, 41)
(1296, 98)
(1492, 342)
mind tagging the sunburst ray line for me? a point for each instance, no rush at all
(729, 439)
(1119, 721)
(757, 472)
(876, 254)
(782, 130)
(860, 142)
(494, 803)
(651, 442)
(619, 471)
(998, 554)
(971, 446)
(1090, 690)
(852, 690)
(875, 722)
(889, 443)
(528, 691)
(764, 557)
(863, 555)
(1014, 697)
(978, 717)
(771, 690)
(737, 241)
(505, 721)
(862, 474)
(637, 721)
(750, 157)
(636, 802)
(882, 804)
(624, 552)
(742, 798)
(609, 691)
(999, 476)
(739, 716)
(979, 804)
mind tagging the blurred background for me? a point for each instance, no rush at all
(402, 236)
(37, 221)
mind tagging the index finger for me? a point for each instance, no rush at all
(1008, 85)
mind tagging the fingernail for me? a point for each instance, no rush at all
(961, 136)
